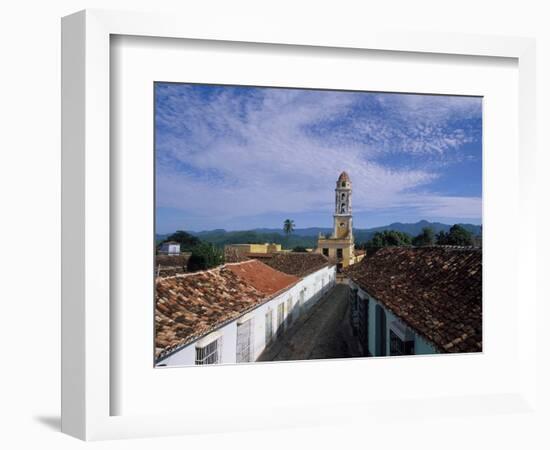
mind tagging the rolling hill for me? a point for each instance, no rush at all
(307, 237)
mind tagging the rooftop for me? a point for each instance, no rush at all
(299, 264)
(434, 290)
(171, 264)
(263, 277)
(191, 305)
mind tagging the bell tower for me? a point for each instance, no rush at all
(343, 227)
(339, 248)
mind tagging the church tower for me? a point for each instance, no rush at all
(339, 248)
(343, 227)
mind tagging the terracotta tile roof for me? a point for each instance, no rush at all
(259, 255)
(262, 277)
(169, 271)
(191, 305)
(296, 263)
(434, 290)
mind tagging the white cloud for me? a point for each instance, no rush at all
(253, 153)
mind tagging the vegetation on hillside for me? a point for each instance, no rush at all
(222, 237)
(457, 235)
(205, 256)
(292, 239)
(187, 241)
(389, 238)
(425, 238)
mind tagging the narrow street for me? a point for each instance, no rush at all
(322, 332)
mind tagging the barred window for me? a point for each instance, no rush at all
(268, 326)
(209, 354)
(280, 318)
(289, 310)
(398, 346)
(244, 341)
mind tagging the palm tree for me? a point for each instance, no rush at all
(288, 226)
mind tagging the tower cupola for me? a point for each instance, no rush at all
(343, 181)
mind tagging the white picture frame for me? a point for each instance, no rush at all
(86, 246)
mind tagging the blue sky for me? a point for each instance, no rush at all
(243, 157)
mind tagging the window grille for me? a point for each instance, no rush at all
(280, 318)
(289, 310)
(268, 326)
(399, 346)
(209, 354)
(244, 341)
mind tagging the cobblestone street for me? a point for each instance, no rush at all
(322, 332)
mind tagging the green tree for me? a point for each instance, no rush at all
(288, 226)
(204, 256)
(299, 249)
(389, 238)
(187, 241)
(425, 238)
(457, 235)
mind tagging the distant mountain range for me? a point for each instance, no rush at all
(307, 237)
(415, 228)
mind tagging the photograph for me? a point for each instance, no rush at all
(298, 224)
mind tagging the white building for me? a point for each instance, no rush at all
(229, 314)
(170, 248)
(417, 300)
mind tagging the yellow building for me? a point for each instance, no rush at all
(340, 246)
(236, 252)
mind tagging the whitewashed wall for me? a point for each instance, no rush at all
(315, 284)
(421, 345)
